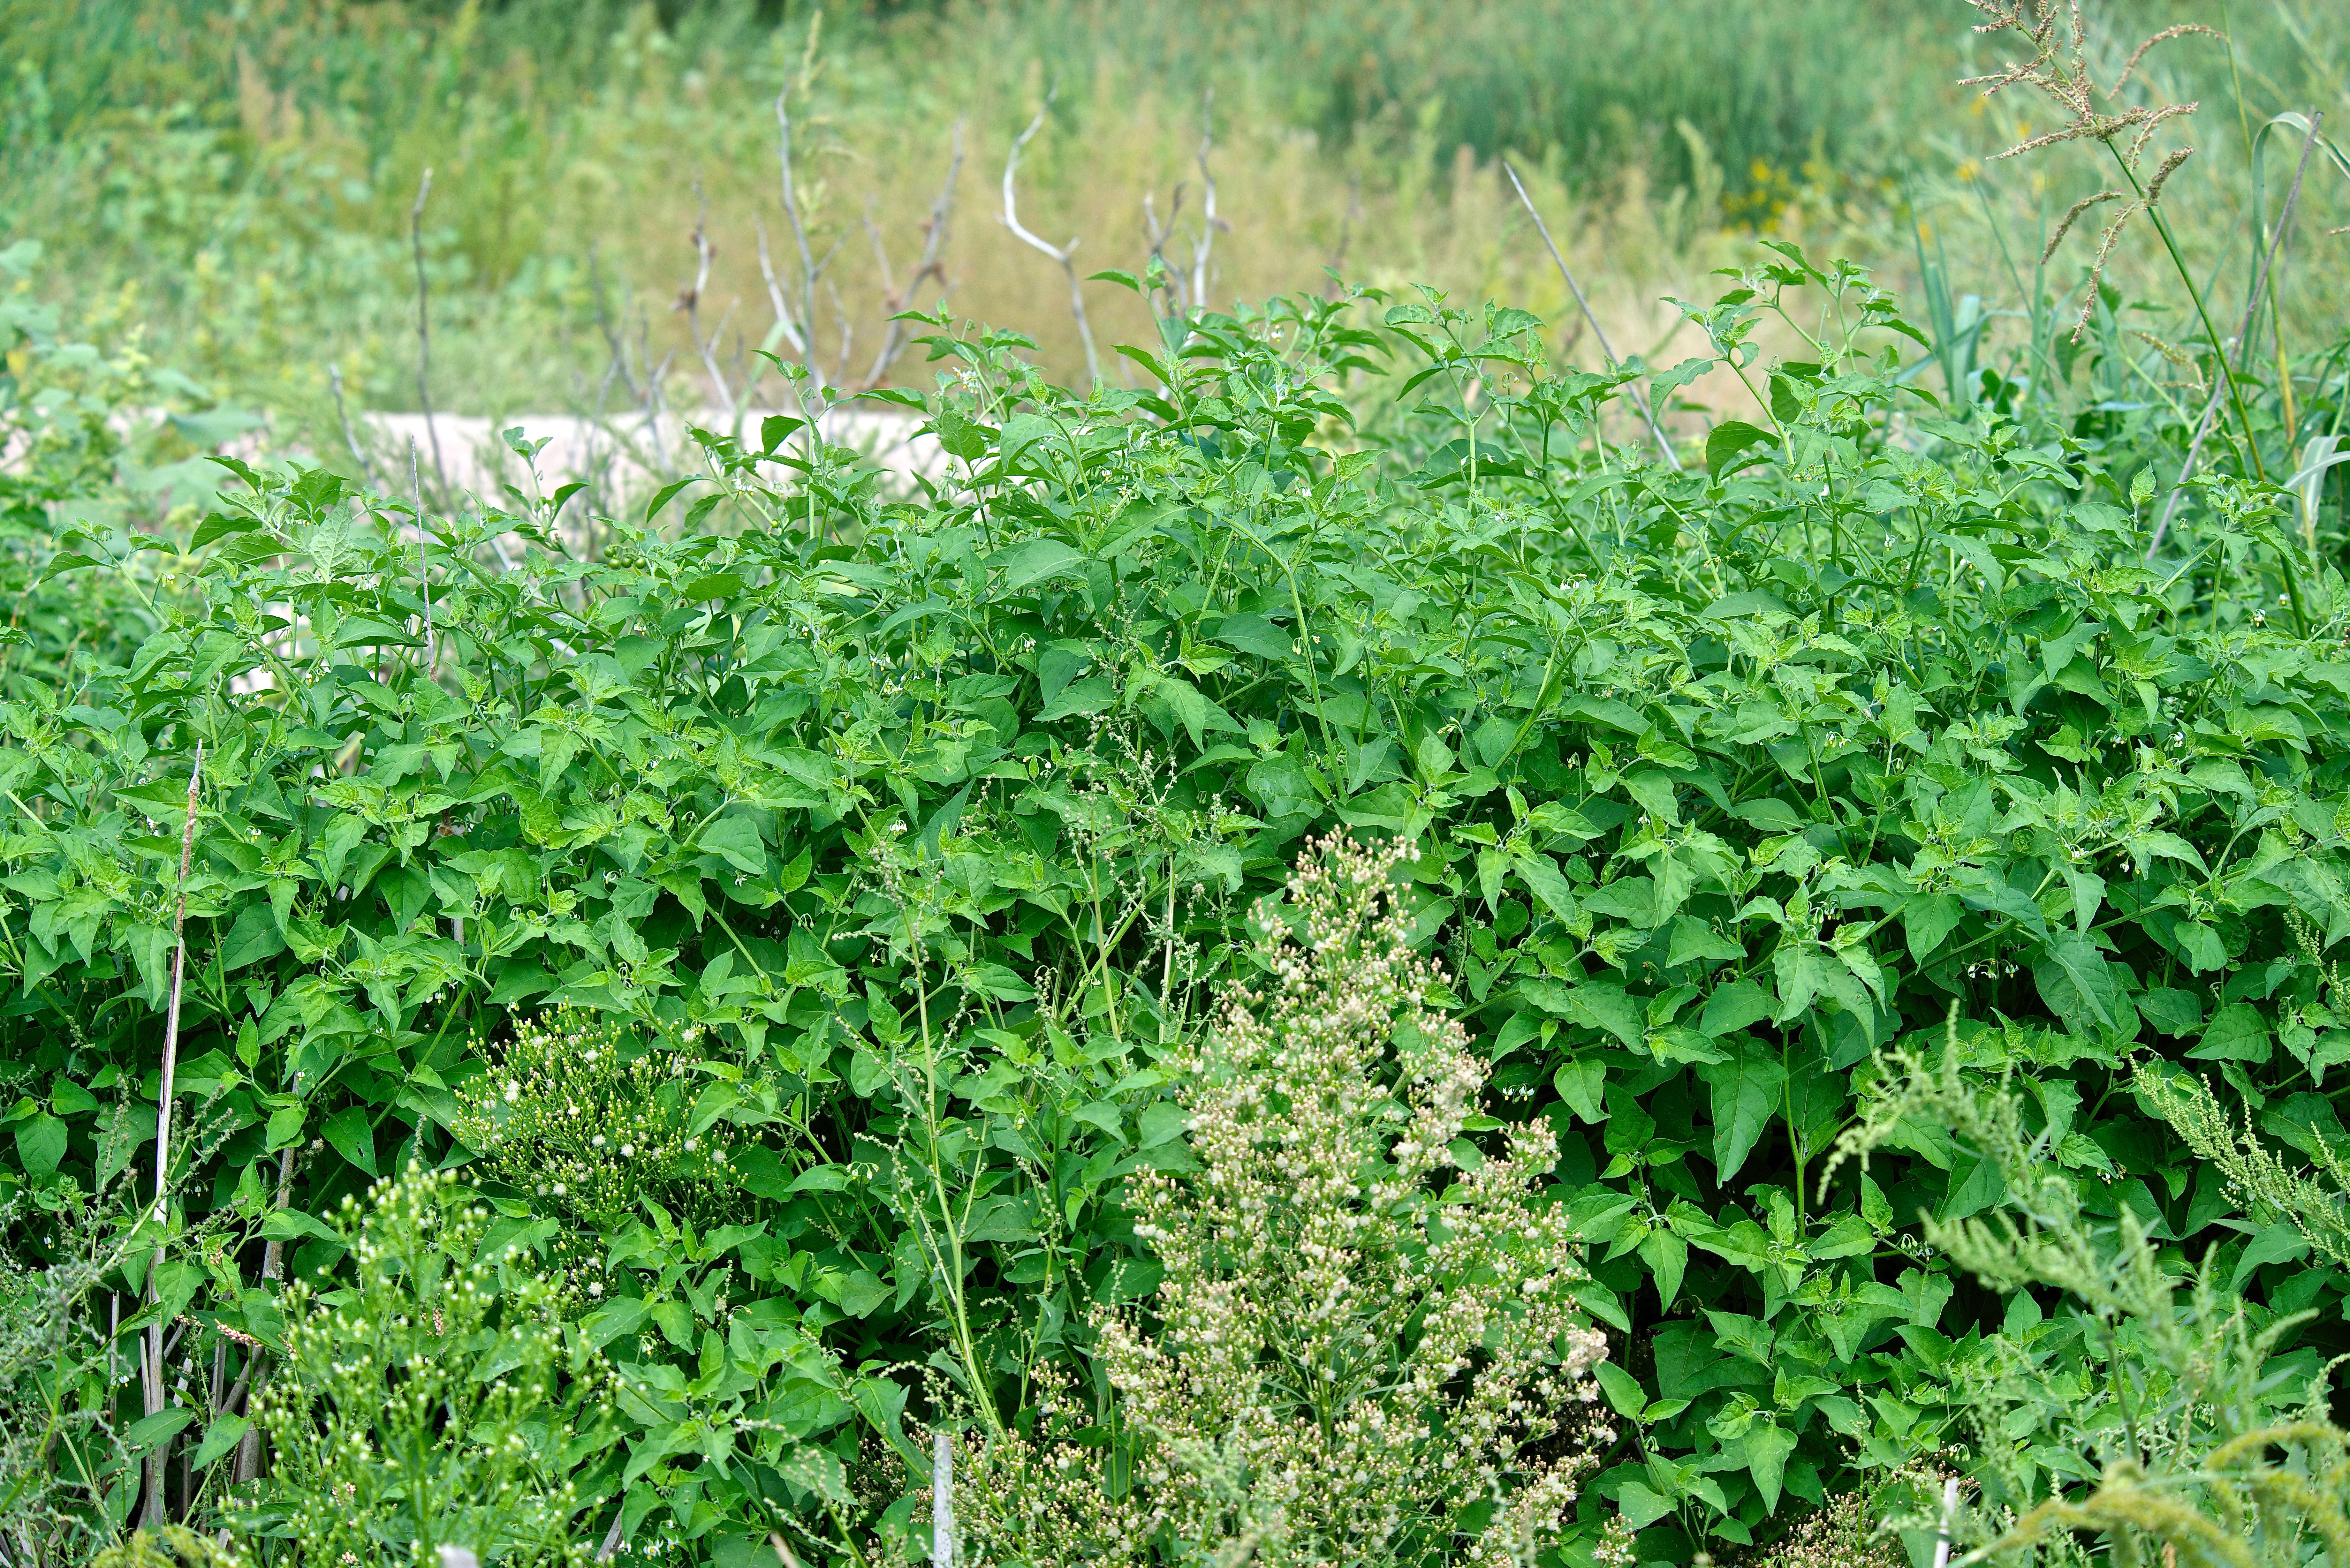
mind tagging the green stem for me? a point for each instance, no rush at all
(2218, 344)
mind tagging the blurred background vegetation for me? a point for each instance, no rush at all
(236, 180)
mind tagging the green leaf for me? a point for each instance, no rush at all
(1640, 1507)
(219, 1438)
(1541, 879)
(1926, 919)
(1255, 634)
(736, 841)
(348, 1133)
(2282, 1242)
(667, 494)
(1767, 1448)
(1745, 1093)
(1623, 1390)
(1580, 1082)
(1730, 437)
(2088, 986)
(1038, 559)
(1695, 940)
(157, 1430)
(2237, 1032)
(1735, 1006)
(1667, 1256)
(1607, 1007)
(253, 937)
(40, 1145)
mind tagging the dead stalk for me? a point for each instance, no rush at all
(351, 437)
(895, 299)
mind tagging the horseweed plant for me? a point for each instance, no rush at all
(429, 1401)
(1366, 1318)
(60, 1451)
(577, 1111)
(2187, 1445)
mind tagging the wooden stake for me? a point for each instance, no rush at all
(942, 1501)
(151, 1517)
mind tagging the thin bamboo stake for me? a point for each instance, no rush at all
(1949, 1508)
(942, 1500)
(425, 328)
(152, 1517)
(1638, 397)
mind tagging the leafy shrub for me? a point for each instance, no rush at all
(937, 812)
(1366, 1321)
(431, 1400)
(577, 1111)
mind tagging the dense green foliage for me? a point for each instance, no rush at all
(919, 826)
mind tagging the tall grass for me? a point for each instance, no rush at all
(239, 178)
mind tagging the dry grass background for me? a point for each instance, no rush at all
(236, 182)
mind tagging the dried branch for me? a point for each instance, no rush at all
(351, 437)
(1205, 243)
(689, 299)
(894, 299)
(1060, 254)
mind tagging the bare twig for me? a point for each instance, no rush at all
(153, 1516)
(424, 328)
(1158, 234)
(895, 299)
(350, 438)
(1060, 254)
(688, 298)
(942, 1526)
(798, 320)
(785, 321)
(2242, 345)
(1205, 243)
(1597, 332)
(613, 338)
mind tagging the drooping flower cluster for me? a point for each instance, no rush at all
(586, 1118)
(1367, 1314)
